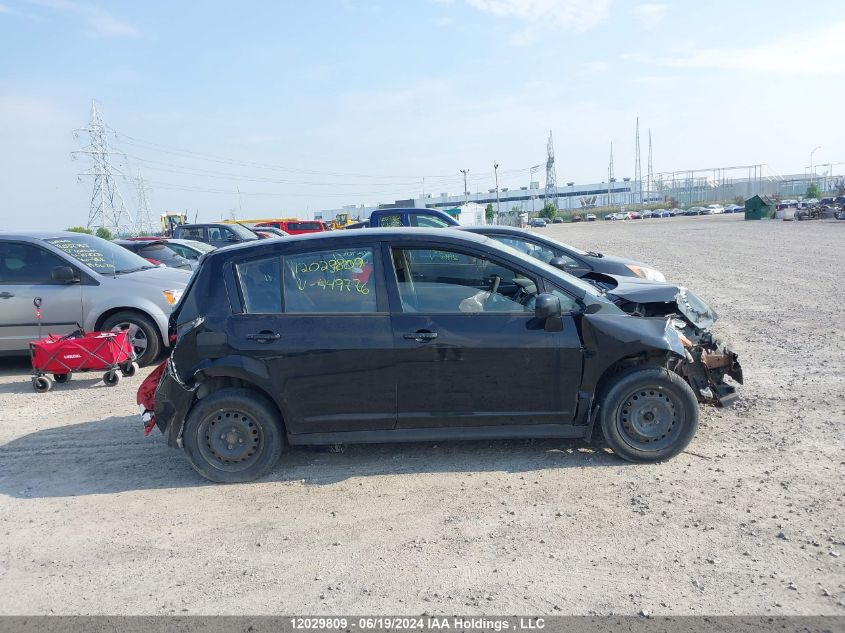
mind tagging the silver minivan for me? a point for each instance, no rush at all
(87, 281)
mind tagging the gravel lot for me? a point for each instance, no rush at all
(95, 518)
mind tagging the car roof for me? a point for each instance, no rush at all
(376, 234)
(38, 235)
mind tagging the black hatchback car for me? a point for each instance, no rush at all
(568, 258)
(388, 335)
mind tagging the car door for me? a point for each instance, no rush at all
(469, 351)
(26, 273)
(318, 320)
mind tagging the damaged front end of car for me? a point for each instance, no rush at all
(708, 360)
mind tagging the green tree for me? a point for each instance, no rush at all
(813, 191)
(489, 213)
(80, 229)
(104, 233)
(549, 211)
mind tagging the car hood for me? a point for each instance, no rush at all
(163, 278)
(637, 290)
(622, 261)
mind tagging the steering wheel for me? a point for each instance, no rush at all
(494, 286)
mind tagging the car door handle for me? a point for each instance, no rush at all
(264, 337)
(422, 335)
(6, 295)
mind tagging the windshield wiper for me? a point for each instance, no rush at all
(124, 271)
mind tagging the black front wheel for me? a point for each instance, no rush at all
(648, 414)
(233, 436)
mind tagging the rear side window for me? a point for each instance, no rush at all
(394, 219)
(330, 281)
(305, 226)
(191, 232)
(260, 284)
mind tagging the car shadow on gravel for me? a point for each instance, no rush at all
(112, 455)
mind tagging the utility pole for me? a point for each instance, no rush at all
(650, 176)
(610, 178)
(107, 209)
(551, 176)
(466, 191)
(496, 173)
(812, 167)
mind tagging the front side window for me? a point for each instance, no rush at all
(26, 264)
(429, 221)
(220, 234)
(330, 281)
(444, 281)
(260, 285)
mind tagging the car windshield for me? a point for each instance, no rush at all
(242, 232)
(99, 255)
(202, 247)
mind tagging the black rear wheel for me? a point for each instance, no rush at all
(648, 414)
(233, 435)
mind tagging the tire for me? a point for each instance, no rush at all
(128, 370)
(233, 436)
(111, 378)
(648, 414)
(42, 384)
(143, 332)
(61, 378)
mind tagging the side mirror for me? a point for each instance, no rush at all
(64, 275)
(232, 238)
(547, 311)
(567, 266)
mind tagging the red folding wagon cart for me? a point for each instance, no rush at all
(80, 351)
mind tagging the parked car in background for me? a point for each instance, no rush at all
(270, 231)
(565, 257)
(693, 211)
(665, 213)
(156, 252)
(575, 218)
(734, 208)
(647, 214)
(295, 227)
(83, 280)
(538, 223)
(215, 234)
(557, 355)
(590, 217)
(716, 208)
(633, 215)
(189, 249)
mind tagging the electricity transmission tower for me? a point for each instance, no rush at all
(107, 209)
(551, 179)
(638, 170)
(145, 220)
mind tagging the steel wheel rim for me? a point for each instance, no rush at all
(230, 440)
(649, 418)
(137, 337)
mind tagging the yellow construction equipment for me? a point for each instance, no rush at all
(169, 221)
